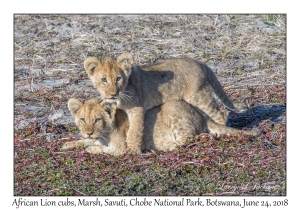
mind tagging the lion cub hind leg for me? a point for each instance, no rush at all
(217, 129)
(162, 138)
(80, 143)
(180, 121)
(182, 131)
(207, 104)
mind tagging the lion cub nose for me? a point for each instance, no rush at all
(89, 134)
(113, 94)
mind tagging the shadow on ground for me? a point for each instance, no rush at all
(255, 115)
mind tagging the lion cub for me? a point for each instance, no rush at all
(105, 127)
(137, 89)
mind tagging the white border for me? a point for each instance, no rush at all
(153, 6)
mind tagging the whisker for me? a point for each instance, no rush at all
(126, 96)
(129, 96)
(125, 91)
(122, 97)
(104, 138)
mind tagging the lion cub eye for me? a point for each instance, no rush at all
(118, 78)
(97, 120)
(82, 120)
(104, 80)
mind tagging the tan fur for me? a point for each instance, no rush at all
(166, 126)
(137, 89)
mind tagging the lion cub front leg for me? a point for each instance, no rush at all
(80, 143)
(136, 129)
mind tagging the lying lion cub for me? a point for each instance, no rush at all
(137, 89)
(105, 127)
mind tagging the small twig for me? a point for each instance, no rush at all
(190, 162)
(24, 140)
(52, 190)
(62, 152)
(208, 194)
(192, 144)
(60, 70)
(216, 20)
(50, 40)
(146, 154)
(231, 169)
(31, 84)
(78, 191)
(249, 85)
(241, 165)
(153, 152)
(228, 193)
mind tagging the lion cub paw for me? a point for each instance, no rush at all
(133, 151)
(95, 149)
(71, 145)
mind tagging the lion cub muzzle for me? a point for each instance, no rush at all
(88, 133)
(113, 96)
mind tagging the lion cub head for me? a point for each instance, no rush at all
(110, 76)
(94, 117)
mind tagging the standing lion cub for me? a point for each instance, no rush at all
(105, 127)
(137, 89)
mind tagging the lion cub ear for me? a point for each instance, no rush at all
(90, 64)
(125, 61)
(110, 108)
(74, 105)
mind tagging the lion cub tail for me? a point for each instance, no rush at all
(217, 129)
(219, 91)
